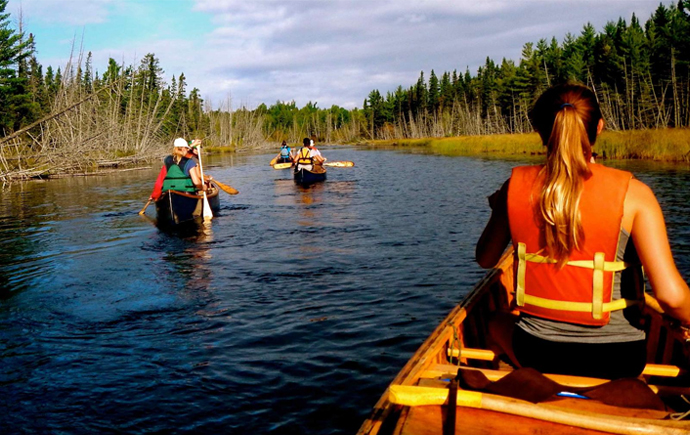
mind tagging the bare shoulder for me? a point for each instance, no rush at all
(639, 201)
(640, 193)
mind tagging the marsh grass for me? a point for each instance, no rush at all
(672, 145)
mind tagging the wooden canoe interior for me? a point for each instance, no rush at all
(437, 361)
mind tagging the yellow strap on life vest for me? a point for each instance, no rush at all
(583, 307)
(304, 157)
(597, 307)
(609, 266)
(522, 267)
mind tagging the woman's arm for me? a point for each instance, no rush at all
(651, 242)
(496, 234)
(196, 178)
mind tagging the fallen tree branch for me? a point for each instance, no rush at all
(55, 115)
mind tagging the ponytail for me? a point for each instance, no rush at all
(565, 172)
(177, 154)
(566, 117)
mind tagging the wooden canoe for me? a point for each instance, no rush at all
(416, 402)
(303, 176)
(175, 207)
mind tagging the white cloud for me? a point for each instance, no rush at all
(336, 52)
(299, 49)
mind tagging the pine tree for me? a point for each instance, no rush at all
(17, 108)
(434, 94)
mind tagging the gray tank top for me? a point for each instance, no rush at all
(624, 324)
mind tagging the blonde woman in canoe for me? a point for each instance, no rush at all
(180, 170)
(574, 225)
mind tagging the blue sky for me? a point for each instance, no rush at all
(246, 52)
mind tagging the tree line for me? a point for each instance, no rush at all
(640, 73)
(76, 118)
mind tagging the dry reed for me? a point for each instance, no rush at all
(654, 144)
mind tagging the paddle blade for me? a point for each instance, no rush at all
(340, 164)
(273, 162)
(225, 188)
(282, 165)
(143, 210)
(207, 213)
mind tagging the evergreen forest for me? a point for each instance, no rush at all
(78, 118)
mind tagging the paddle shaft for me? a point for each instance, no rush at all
(143, 210)
(206, 213)
(451, 410)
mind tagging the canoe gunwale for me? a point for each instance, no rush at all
(436, 341)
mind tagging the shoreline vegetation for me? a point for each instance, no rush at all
(662, 145)
(79, 120)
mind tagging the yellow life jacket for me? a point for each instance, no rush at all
(305, 157)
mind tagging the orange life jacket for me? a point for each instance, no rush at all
(581, 291)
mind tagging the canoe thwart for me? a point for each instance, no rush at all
(665, 370)
(419, 396)
(480, 354)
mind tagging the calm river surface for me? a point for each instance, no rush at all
(289, 315)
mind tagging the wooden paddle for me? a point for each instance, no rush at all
(282, 165)
(206, 212)
(143, 210)
(416, 396)
(274, 160)
(227, 189)
(339, 164)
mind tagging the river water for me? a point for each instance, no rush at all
(289, 314)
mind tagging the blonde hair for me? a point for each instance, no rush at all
(566, 117)
(178, 153)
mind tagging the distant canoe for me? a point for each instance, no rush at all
(303, 176)
(417, 401)
(175, 207)
(279, 159)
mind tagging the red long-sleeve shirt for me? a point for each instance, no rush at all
(158, 186)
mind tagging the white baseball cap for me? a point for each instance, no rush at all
(180, 142)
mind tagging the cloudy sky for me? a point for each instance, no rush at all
(324, 51)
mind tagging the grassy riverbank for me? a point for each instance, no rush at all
(671, 145)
